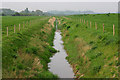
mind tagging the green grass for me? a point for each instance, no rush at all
(25, 54)
(10, 21)
(99, 19)
(94, 54)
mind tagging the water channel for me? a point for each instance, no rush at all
(59, 65)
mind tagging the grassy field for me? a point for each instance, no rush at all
(10, 21)
(92, 53)
(26, 53)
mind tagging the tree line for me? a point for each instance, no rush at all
(26, 12)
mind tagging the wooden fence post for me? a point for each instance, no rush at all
(19, 27)
(103, 27)
(7, 31)
(14, 28)
(113, 29)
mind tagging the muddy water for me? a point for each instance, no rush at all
(59, 65)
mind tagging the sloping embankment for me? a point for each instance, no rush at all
(26, 53)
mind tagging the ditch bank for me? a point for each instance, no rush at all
(27, 52)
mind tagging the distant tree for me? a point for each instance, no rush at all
(26, 10)
(38, 12)
(7, 11)
(3, 14)
(16, 14)
(108, 14)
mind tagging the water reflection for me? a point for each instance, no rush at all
(59, 65)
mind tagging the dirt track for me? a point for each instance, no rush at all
(52, 20)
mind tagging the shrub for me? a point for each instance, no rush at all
(100, 37)
(14, 56)
(64, 25)
(67, 34)
(108, 42)
(118, 42)
(108, 14)
(32, 50)
(110, 63)
(43, 32)
(20, 66)
(96, 69)
(93, 48)
(116, 54)
(52, 49)
(68, 27)
(75, 36)
(13, 68)
(91, 42)
(95, 55)
(77, 25)
(99, 54)
(117, 63)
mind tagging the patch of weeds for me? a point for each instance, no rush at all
(14, 56)
(33, 50)
(91, 42)
(108, 14)
(108, 42)
(76, 36)
(118, 42)
(51, 49)
(95, 55)
(62, 19)
(46, 74)
(117, 63)
(27, 69)
(110, 63)
(100, 37)
(113, 72)
(70, 22)
(64, 25)
(93, 48)
(17, 72)
(43, 32)
(77, 67)
(25, 73)
(68, 27)
(3, 32)
(67, 34)
(77, 25)
(99, 54)
(20, 66)
(116, 54)
(96, 69)
(48, 22)
(104, 38)
(14, 68)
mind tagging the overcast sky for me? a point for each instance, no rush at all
(60, 0)
(62, 5)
